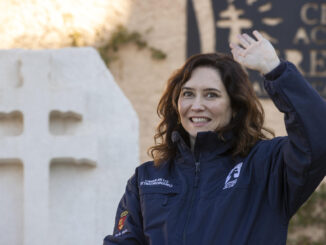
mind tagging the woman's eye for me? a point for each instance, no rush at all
(211, 95)
(187, 94)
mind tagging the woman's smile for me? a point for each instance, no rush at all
(199, 121)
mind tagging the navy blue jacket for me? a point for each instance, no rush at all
(207, 198)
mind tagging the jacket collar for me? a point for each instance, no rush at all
(207, 145)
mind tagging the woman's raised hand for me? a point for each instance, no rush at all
(254, 54)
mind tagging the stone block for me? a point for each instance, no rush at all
(68, 144)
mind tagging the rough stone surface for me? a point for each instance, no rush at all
(68, 144)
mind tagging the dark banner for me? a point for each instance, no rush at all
(296, 28)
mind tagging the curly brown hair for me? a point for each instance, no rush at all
(246, 124)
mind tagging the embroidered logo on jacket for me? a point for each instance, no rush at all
(158, 181)
(122, 220)
(121, 233)
(232, 178)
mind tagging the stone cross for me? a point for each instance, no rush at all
(35, 102)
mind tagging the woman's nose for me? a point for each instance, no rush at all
(197, 104)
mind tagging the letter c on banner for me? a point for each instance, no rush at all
(304, 11)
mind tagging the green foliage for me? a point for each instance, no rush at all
(311, 215)
(157, 54)
(121, 37)
(77, 39)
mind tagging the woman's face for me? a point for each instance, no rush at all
(204, 104)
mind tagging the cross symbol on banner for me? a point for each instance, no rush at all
(36, 147)
(233, 21)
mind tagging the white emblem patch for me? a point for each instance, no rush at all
(232, 178)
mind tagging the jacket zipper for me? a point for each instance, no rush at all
(197, 170)
(196, 183)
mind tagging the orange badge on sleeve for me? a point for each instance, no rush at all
(122, 220)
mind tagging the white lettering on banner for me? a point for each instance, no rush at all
(158, 181)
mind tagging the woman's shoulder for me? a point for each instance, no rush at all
(150, 165)
(146, 166)
(150, 170)
(269, 145)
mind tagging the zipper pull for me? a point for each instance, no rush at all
(197, 171)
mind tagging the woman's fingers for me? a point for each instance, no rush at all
(248, 38)
(236, 56)
(258, 35)
(236, 49)
(255, 52)
(237, 52)
(233, 45)
(244, 41)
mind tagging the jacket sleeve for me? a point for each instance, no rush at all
(300, 164)
(128, 222)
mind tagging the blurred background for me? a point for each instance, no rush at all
(143, 42)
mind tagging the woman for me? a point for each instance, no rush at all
(216, 178)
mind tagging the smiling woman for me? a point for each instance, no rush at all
(216, 178)
(211, 92)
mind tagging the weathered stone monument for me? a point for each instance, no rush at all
(68, 144)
